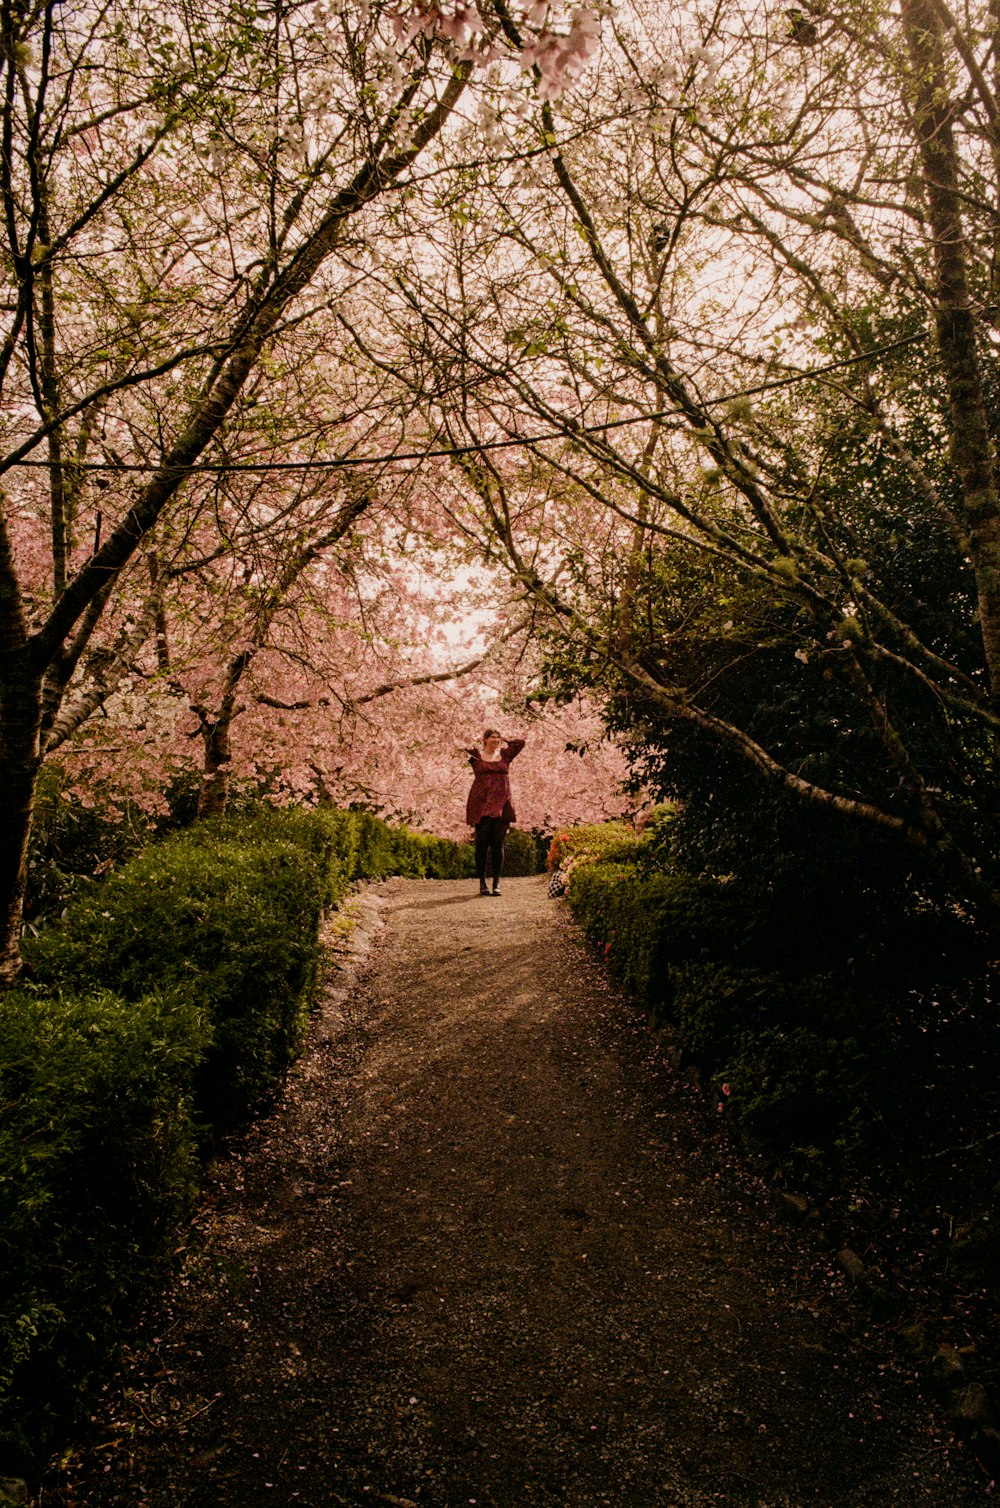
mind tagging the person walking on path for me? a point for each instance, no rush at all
(489, 809)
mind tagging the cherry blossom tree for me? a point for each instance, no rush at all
(177, 188)
(357, 683)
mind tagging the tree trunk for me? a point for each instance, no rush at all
(213, 797)
(20, 721)
(972, 447)
(20, 725)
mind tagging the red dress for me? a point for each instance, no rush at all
(490, 794)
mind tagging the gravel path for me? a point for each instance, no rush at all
(488, 1252)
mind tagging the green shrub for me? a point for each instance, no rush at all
(375, 849)
(647, 925)
(234, 924)
(229, 909)
(454, 861)
(209, 941)
(798, 1089)
(97, 1166)
(378, 849)
(614, 841)
(796, 1048)
(351, 845)
(443, 859)
(328, 836)
(716, 1005)
(419, 855)
(74, 842)
(520, 854)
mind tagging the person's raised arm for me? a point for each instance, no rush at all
(512, 747)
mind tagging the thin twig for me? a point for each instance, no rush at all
(970, 1147)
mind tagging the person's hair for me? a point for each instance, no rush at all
(492, 733)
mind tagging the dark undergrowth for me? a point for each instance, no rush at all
(864, 1075)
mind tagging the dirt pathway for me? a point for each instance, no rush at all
(486, 1254)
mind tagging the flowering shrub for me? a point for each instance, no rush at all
(592, 843)
(576, 861)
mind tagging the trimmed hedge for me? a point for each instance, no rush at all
(229, 910)
(521, 854)
(232, 924)
(648, 926)
(73, 845)
(796, 1050)
(348, 845)
(97, 1166)
(603, 842)
(163, 1008)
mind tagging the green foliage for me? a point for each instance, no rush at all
(824, 889)
(798, 1050)
(800, 1089)
(716, 1004)
(797, 1064)
(350, 846)
(606, 842)
(650, 925)
(73, 843)
(366, 847)
(229, 910)
(97, 1165)
(232, 923)
(521, 855)
(816, 661)
(423, 857)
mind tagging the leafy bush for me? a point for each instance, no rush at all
(797, 1048)
(800, 1089)
(649, 925)
(73, 843)
(715, 1005)
(233, 924)
(349, 845)
(423, 857)
(606, 842)
(97, 1165)
(77, 842)
(520, 854)
(229, 910)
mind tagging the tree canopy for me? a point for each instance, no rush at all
(657, 347)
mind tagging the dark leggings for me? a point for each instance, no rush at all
(490, 835)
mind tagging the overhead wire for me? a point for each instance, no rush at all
(571, 428)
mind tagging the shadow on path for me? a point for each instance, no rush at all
(444, 900)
